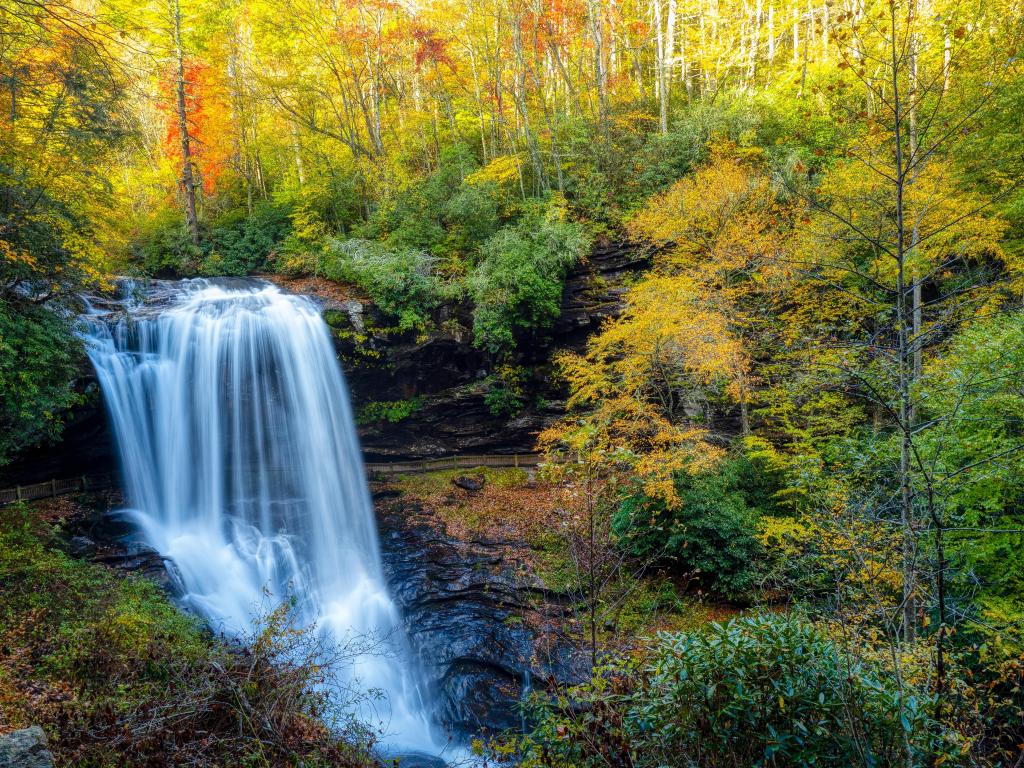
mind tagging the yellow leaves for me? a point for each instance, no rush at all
(784, 535)
(502, 170)
(721, 220)
(646, 379)
(16, 256)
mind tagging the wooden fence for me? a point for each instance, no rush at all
(53, 488)
(455, 462)
(56, 488)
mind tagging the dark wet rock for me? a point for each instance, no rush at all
(479, 620)
(456, 421)
(136, 557)
(415, 760)
(466, 483)
(81, 546)
(99, 534)
(26, 748)
(85, 448)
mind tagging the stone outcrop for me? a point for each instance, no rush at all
(483, 626)
(26, 748)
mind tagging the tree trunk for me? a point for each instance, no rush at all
(188, 176)
(659, 67)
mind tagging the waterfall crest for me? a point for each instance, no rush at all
(241, 463)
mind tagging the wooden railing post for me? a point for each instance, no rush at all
(17, 492)
(53, 488)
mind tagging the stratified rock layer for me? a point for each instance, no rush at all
(482, 624)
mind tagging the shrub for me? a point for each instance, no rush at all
(240, 244)
(428, 214)
(506, 392)
(39, 357)
(518, 283)
(711, 532)
(403, 282)
(391, 411)
(765, 690)
(471, 216)
(163, 246)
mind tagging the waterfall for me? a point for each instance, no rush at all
(241, 463)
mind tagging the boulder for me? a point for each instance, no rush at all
(26, 748)
(472, 484)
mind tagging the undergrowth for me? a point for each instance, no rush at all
(118, 676)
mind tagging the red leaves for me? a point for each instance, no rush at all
(209, 121)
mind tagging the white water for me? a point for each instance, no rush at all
(242, 464)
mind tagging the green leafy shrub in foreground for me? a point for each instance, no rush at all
(766, 690)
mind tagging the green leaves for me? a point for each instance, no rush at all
(762, 690)
(518, 282)
(710, 533)
(403, 282)
(39, 358)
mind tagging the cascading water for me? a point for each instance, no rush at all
(241, 463)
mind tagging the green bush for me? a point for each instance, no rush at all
(506, 390)
(711, 531)
(767, 690)
(163, 247)
(391, 411)
(403, 282)
(240, 244)
(39, 359)
(518, 283)
(470, 217)
(436, 214)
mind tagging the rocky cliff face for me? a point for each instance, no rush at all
(446, 377)
(484, 627)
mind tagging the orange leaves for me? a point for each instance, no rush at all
(209, 121)
(431, 49)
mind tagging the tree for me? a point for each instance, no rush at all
(888, 227)
(189, 183)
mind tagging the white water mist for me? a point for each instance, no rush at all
(241, 463)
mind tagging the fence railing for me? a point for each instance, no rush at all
(454, 462)
(83, 483)
(56, 488)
